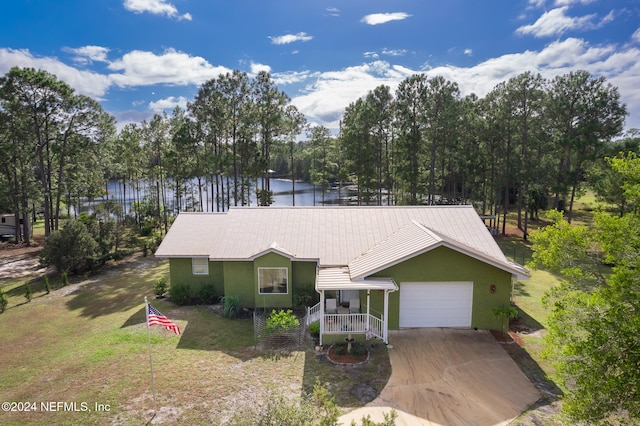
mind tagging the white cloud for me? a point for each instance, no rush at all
(88, 54)
(168, 103)
(570, 2)
(537, 3)
(290, 38)
(327, 94)
(140, 68)
(385, 52)
(324, 100)
(291, 77)
(332, 11)
(383, 18)
(155, 7)
(85, 82)
(636, 36)
(556, 22)
(468, 52)
(255, 68)
(394, 52)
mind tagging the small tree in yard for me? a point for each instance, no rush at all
(47, 286)
(3, 301)
(505, 313)
(70, 249)
(28, 292)
(160, 287)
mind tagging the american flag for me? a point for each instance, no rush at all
(154, 317)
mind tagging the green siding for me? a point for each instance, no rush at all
(304, 281)
(239, 281)
(277, 300)
(180, 273)
(240, 278)
(443, 264)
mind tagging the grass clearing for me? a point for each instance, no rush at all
(87, 343)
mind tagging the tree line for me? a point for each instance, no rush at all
(594, 313)
(526, 141)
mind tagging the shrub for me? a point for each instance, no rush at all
(70, 249)
(314, 328)
(340, 349)
(160, 287)
(318, 408)
(301, 300)
(207, 294)
(3, 301)
(180, 294)
(358, 349)
(65, 279)
(28, 292)
(505, 313)
(47, 286)
(231, 307)
(282, 321)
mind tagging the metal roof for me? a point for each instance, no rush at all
(414, 239)
(363, 238)
(339, 279)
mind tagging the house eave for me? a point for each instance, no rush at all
(516, 270)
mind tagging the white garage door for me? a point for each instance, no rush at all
(436, 304)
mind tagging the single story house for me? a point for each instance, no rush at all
(373, 268)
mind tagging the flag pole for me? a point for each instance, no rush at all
(153, 385)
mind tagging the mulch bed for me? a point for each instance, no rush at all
(345, 358)
(504, 338)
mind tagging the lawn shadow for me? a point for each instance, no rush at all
(116, 289)
(203, 329)
(549, 390)
(519, 289)
(525, 322)
(516, 249)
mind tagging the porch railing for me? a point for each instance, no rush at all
(348, 323)
(313, 314)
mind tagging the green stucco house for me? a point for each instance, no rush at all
(373, 268)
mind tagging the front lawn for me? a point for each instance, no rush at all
(84, 348)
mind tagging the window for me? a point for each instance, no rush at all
(273, 280)
(200, 266)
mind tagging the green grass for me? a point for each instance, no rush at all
(87, 342)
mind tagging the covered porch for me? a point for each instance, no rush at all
(356, 317)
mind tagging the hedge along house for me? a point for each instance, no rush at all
(374, 268)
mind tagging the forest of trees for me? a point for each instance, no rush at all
(527, 143)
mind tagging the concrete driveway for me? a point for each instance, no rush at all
(450, 377)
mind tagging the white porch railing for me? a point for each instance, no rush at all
(313, 314)
(376, 327)
(348, 323)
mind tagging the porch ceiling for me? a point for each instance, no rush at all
(338, 278)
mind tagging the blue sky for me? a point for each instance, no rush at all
(138, 57)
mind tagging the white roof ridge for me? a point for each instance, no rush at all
(376, 256)
(274, 246)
